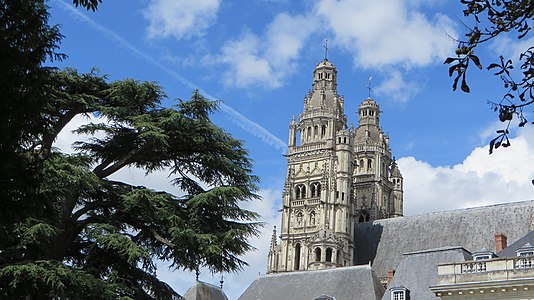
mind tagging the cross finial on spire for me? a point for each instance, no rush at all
(326, 50)
(369, 86)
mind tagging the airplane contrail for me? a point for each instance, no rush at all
(243, 122)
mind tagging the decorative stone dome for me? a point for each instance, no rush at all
(325, 63)
(369, 103)
(395, 172)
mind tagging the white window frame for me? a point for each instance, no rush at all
(525, 253)
(398, 295)
(525, 250)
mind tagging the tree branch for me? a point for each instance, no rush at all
(102, 172)
(90, 206)
(160, 238)
(49, 138)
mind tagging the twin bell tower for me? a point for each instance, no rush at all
(337, 176)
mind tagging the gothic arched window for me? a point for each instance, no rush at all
(364, 216)
(297, 257)
(317, 254)
(300, 191)
(329, 254)
(315, 189)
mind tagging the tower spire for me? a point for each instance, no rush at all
(326, 50)
(273, 239)
(368, 86)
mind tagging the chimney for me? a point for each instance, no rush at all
(391, 273)
(500, 242)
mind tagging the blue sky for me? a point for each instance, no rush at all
(258, 58)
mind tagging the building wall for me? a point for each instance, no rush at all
(498, 278)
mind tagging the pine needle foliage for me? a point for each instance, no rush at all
(70, 231)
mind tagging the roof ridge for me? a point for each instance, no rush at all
(289, 273)
(455, 210)
(440, 249)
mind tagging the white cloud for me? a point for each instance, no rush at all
(246, 63)
(481, 179)
(391, 36)
(382, 33)
(66, 137)
(180, 18)
(265, 60)
(396, 87)
(511, 47)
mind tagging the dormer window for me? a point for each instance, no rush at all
(399, 293)
(483, 254)
(526, 250)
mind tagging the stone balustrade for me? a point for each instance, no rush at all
(486, 270)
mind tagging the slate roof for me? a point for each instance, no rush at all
(357, 282)
(418, 270)
(205, 291)
(383, 242)
(510, 251)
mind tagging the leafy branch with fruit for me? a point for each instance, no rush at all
(495, 18)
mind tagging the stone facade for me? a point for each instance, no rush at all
(509, 274)
(497, 278)
(337, 176)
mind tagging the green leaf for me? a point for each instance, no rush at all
(493, 65)
(464, 86)
(449, 60)
(476, 60)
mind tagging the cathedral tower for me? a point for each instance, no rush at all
(336, 176)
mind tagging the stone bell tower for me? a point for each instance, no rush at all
(336, 176)
(377, 181)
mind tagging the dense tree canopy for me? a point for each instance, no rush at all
(68, 231)
(499, 18)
